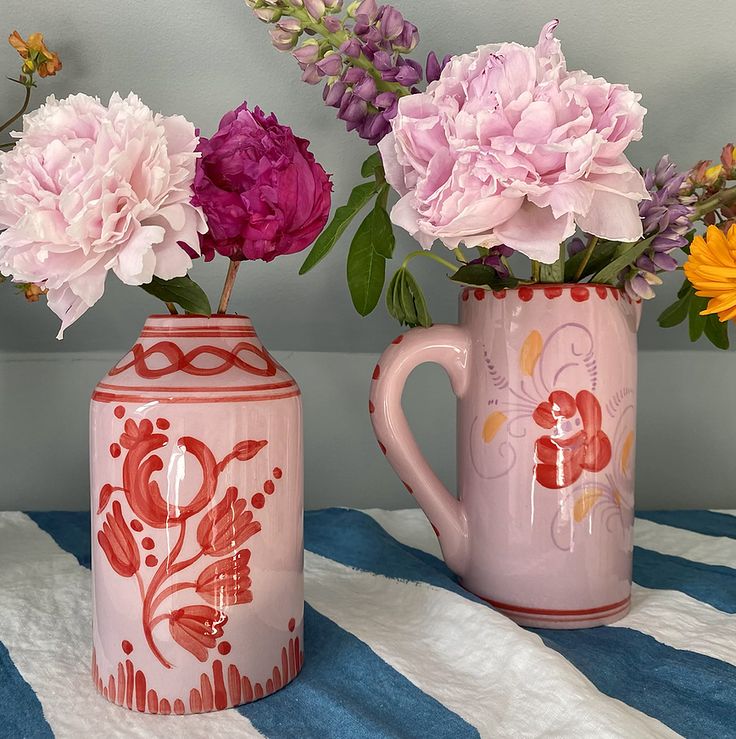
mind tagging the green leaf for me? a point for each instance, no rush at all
(697, 322)
(481, 274)
(366, 268)
(716, 332)
(183, 291)
(370, 165)
(678, 311)
(602, 254)
(631, 252)
(417, 296)
(359, 198)
(554, 272)
(405, 300)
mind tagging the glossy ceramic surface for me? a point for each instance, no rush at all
(196, 474)
(546, 383)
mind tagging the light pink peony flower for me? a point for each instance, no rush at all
(508, 147)
(91, 188)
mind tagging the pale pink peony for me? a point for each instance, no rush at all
(508, 147)
(90, 188)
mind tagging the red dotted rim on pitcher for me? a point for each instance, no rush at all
(579, 292)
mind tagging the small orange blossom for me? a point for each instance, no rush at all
(37, 56)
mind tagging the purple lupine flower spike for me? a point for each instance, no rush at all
(666, 216)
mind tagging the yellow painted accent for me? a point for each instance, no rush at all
(493, 423)
(584, 503)
(530, 351)
(626, 452)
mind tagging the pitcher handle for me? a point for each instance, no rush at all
(449, 347)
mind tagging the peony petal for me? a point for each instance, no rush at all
(536, 232)
(612, 216)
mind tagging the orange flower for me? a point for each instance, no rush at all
(197, 629)
(37, 55)
(711, 269)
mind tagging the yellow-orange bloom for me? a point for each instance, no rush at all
(711, 269)
(37, 55)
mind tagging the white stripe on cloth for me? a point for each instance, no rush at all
(496, 676)
(709, 550)
(669, 616)
(45, 624)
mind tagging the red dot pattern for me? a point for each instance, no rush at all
(479, 294)
(277, 473)
(119, 411)
(136, 525)
(258, 500)
(579, 293)
(376, 372)
(147, 543)
(269, 487)
(371, 407)
(127, 646)
(526, 294)
(224, 647)
(292, 624)
(398, 339)
(115, 450)
(151, 560)
(162, 423)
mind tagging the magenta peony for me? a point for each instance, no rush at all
(260, 188)
(91, 188)
(509, 147)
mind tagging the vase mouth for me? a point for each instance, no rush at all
(219, 323)
(546, 285)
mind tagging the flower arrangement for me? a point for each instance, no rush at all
(506, 152)
(92, 188)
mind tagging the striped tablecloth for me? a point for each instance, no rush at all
(394, 647)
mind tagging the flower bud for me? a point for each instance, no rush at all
(727, 159)
(333, 6)
(383, 61)
(409, 74)
(28, 66)
(283, 40)
(391, 22)
(332, 23)
(33, 292)
(267, 15)
(351, 48)
(315, 8)
(366, 90)
(307, 53)
(333, 94)
(292, 25)
(331, 65)
(311, 74)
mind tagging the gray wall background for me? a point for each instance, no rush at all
(201, 59)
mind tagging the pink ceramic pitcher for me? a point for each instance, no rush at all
(545, 377)
(197, 547)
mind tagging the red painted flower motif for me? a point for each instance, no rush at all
(226, 526)
(197, 628)
(563, 456)
(118, 544)
(226, 582)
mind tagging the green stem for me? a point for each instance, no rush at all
(227, 290)
(429, 255)
(171, 308)
(592, 242)
(23, 109)
(724, 197)
(536, 271)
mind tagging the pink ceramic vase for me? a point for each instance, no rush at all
(546, 383)
(197, 545)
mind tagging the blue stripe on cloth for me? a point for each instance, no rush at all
(703, 522)
(69, 529)
(345, 689)
(689, 692)
(711, 584)
(626, 664)
(22, 714)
